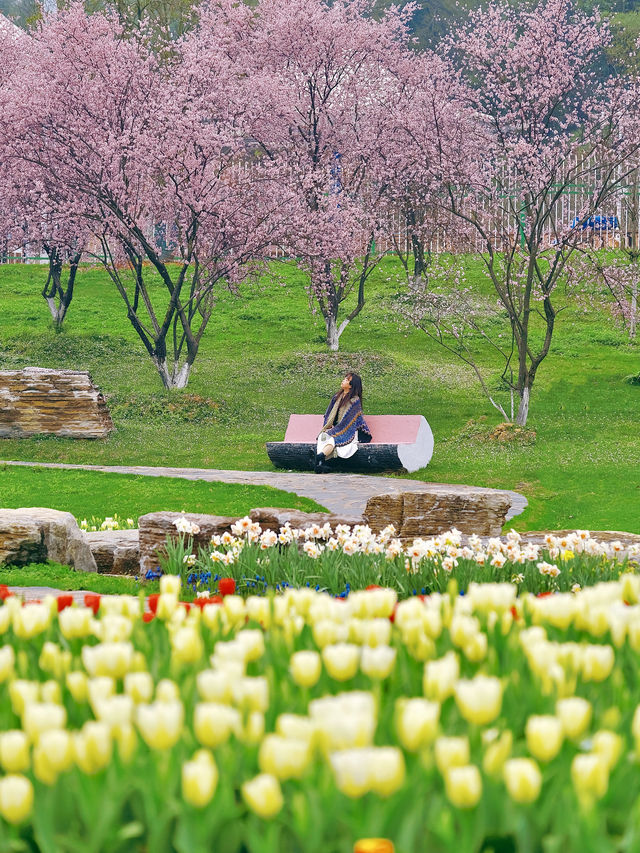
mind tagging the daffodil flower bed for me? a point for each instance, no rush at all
(341, 559)
(302, 722)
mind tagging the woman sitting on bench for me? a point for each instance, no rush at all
(344, 424)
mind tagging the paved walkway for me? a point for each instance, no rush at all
(343, 494)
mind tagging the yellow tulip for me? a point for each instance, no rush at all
(545, 735)
(476, 648)
(597, 662)
(77, 685)
(170, 584)
(214, 723)
(373, 845)
(52, 755)
(31, 620)
(463, 786)
(39, 717)
(574, 713)
(523, 779)
(251, 693)
(187, 645)
(479, 700)
(440, 677)
(305, 668)
(139, 686)
(387, 770)
(253, 731)
(114, 710)
(167, 691)
(23, 693)
(451, 752)
(497, 752)
(14, 751)
(92, 747)
(50, 692)
(283, 757)
(590, 777)
(341, 660)
(100, 688)
(199, 779)
(16, 798)
(259, 610)
(416, 722)
(7, 662)
(160, 723)
(252, 642)
(263, 795)
(108, 659)
(378, 662)
(214, 685)
(609, 746)
(75, 622)
(126, 739)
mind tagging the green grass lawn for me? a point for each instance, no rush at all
(87, 494)
(264, 357)
(64, 578)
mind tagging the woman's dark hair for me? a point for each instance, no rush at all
(356, 386)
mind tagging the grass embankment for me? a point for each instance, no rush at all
(88, 493)
(264, 357)
(61, 577)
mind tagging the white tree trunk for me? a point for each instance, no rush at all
(58, 312)
(523, 408)
(177, 378)
(333, 336)
(634, 311)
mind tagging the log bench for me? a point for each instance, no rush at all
(399, 442)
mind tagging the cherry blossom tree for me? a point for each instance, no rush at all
(549, 123)
(324, 80)
(426, 148)
(132, 142)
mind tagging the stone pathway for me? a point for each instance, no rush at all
(342, 494)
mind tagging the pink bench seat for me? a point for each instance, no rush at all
(398, 442)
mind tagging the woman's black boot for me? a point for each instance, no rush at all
(320, 463)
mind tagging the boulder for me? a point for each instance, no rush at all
(437, 508)
(37, 534)
(154, 528)
(116, 552)
(273, 518)
(37, 400)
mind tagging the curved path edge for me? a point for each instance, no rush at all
(342, 494)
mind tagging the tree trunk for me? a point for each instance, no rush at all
(523, 408)
(171, 379)
(634, 311)
(58, 312)
(333, 337)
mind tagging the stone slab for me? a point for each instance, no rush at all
(154, 528)
(116, 552)
(37, 534)
(438, 508)
(38, 400)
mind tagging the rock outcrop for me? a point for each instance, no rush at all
(37, 534)
(154, 528)
(116, 552)
(272, 518)
(439, 508)
(37, 400)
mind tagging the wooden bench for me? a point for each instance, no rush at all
(399, 442)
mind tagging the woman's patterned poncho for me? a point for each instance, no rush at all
(351, 425)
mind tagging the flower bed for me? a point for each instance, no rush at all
(343, 559)
(302, 722)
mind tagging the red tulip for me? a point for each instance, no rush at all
(92, 600)
(64, 601)
(226, 586)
